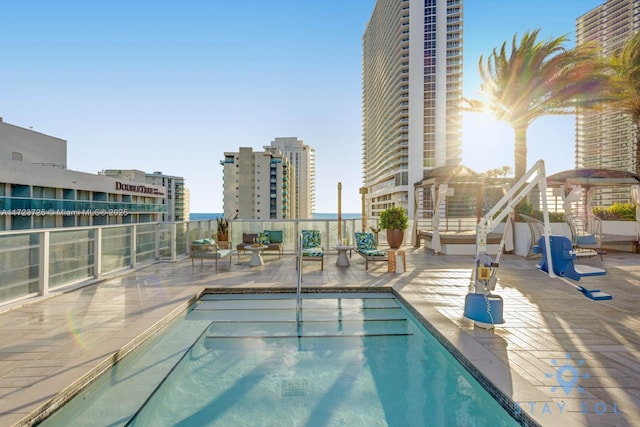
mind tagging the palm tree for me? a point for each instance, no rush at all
(626, 65)
(536, 79)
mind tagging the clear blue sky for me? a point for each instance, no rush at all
(172, 85)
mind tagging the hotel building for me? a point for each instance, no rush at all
(38, 191)
(607, 139)
(411, 96)
(257, 185)
(176, 197)
(303, 159)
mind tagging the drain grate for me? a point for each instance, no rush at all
(294, 387)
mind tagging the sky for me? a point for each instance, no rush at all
(170, 85)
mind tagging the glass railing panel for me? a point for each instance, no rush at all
(19, 265)
(165, 240)
(291, 228)
(145, 242)
(71, 256)
(116, 248)
(202, 229)
(181, 239)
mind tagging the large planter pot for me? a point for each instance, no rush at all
(394, 238)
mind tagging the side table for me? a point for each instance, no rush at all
(343, 259)
(397, 262)
(256, 257)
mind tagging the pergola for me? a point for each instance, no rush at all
(579, 186)
(450, 201)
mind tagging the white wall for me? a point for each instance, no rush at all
(34, 147)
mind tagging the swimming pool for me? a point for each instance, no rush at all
(356, 359)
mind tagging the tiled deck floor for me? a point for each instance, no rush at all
(46, 345)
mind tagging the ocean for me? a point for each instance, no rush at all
(207, 215)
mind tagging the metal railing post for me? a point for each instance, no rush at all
(299, 286)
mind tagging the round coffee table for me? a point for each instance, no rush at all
(256, 258)
(343, 259)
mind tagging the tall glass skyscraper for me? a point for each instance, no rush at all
(411, 96)
(606, 139)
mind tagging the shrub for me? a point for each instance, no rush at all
(394, 218)
(616, 212)
(526, 208)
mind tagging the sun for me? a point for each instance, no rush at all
(486, 142)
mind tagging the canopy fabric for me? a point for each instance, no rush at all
(435, 220)
(592, 177)
(574, 195)
(588, 179)
(451, 173)
(635, 198)
(508, 232)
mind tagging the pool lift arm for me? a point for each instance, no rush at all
(481, 306)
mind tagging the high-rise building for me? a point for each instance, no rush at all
(257, 185)
(303, 160)
(606, 139)
(411, 95)
(177, 197)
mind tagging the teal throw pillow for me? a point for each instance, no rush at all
(275, 236)
(264, 238)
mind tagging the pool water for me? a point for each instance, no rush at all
(242, 360)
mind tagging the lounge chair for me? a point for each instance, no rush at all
(366, 248)
(311, 247)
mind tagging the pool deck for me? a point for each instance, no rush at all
(47, 344)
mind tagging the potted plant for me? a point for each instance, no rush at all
(223, 229)
(395, 221)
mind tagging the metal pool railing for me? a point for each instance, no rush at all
(299, 286)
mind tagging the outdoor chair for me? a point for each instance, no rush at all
(247, 239)
(210, 249)
(366, 248)
(311, 248)
(536, 227)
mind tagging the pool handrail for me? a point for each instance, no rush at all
(299, 284)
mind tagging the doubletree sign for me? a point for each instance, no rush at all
(136, 188)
